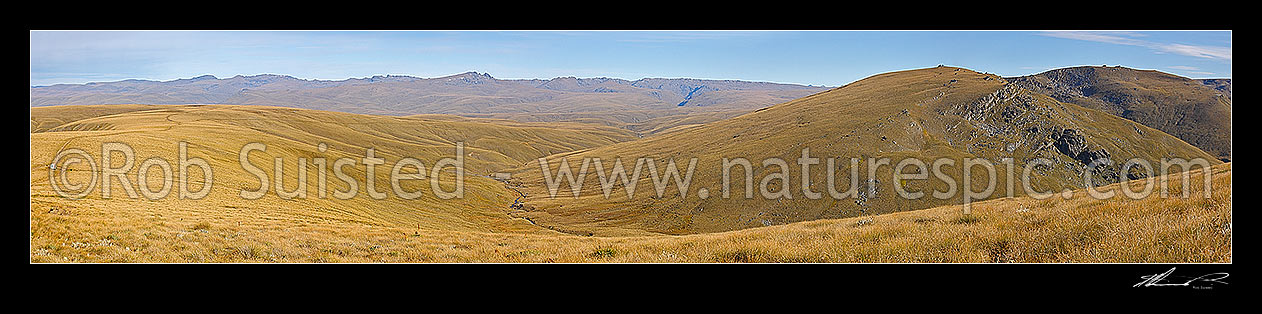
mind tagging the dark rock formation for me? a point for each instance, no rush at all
(1071, 143)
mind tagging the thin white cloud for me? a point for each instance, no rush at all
(1184, 67)
(1131, 39)
(1209, 52)
(1103, 37)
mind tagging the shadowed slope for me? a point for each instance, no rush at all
(1197, 111)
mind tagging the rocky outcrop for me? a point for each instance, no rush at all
(1070, 142)
(1011, 118)
(1073, 144)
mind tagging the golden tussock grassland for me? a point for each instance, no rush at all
(1055, 230)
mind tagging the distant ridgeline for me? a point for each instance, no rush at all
(467, 93)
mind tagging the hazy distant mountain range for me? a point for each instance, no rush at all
(1197, 111)
(466, 93)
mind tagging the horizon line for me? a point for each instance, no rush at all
(602, 77)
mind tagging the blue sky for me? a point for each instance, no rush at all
(816, 57)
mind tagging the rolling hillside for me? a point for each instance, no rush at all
(643, 122)
(932, 113)
(1196, 111)
(217, 133)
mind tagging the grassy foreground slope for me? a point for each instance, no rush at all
(1080, 229)
(217, 134)
(927, 114)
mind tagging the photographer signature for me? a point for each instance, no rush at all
(1160, 280)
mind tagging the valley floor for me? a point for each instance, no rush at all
(1055, 230)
